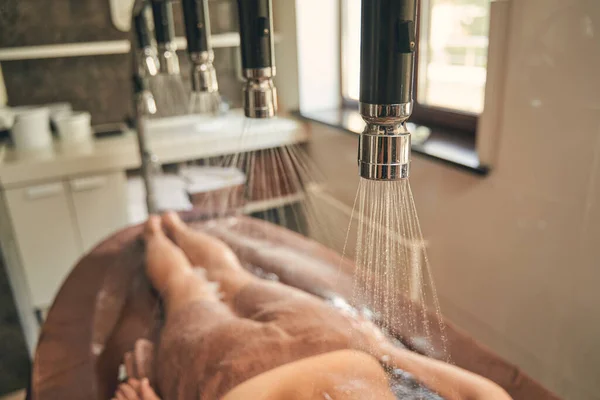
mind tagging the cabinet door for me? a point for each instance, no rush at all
(46, 237)
(100, 206)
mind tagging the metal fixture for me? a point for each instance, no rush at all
(147, 55)
(197, 31)
(145, 106)
(170, 93)
(164, 30)
(258, 58)
(205, 96)
(388, 47)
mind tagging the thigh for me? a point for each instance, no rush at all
(185, 352)
(254, 299)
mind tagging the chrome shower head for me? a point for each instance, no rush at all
(388, 46)
(164, 30)
(197, 32)
(384, 145)
(258, 58)
(147, 56)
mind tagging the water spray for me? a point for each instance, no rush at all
(388, 47)
(258, 58)
(167, 87)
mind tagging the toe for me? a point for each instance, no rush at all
(152, 226)
(147, 392)
(172, 221)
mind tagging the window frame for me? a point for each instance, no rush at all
(462, 122)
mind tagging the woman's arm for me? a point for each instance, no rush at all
(449, 381)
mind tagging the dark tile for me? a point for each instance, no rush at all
(38, 22)
(99, 84)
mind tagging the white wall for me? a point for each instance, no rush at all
(516, 255)
(318, 42)
(286, 53)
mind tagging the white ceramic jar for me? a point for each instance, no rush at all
(31, 129)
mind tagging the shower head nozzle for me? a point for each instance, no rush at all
(258, 58)
(147, 56)
(388, 45)
(204, 75)
(384, 145)
(198, 35)
(260, 93)
(164, 30)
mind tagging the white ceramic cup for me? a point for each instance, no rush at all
(31, 130)
(75, 127)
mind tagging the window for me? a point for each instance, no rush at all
(451, 61)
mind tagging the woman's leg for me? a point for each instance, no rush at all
(171, 273)
(193, 312)
(223, 266)
(219, 261)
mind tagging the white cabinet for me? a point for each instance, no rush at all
(17, 279)
(55, 223)
(46, 236)
(100, 204)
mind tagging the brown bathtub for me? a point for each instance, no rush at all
(106, 304)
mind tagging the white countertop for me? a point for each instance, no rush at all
(172, 141)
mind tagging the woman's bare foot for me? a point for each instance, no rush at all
(219, 261)
(170, 271)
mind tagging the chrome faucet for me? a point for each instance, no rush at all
(388, 45)
(258, 58)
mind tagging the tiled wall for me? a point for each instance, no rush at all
(99, 84)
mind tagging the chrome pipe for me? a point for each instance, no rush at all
(144, 66)
(146, 106)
